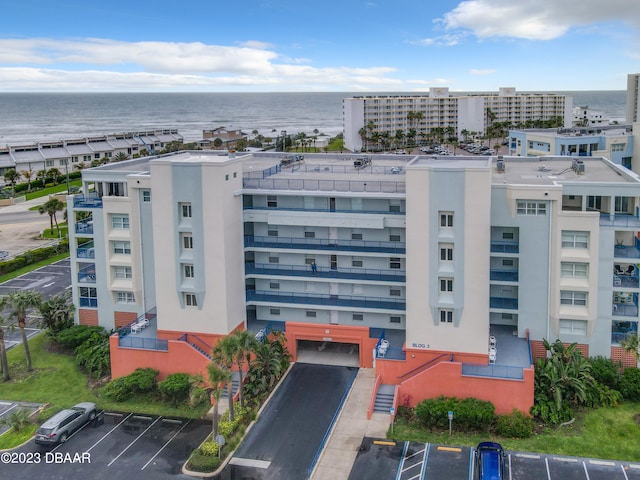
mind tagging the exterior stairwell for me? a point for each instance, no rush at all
(384, 399)
(235, 381)
(201, 351)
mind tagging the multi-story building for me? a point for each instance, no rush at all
(443, 274)
(613, 142)
(459, 113)
(633, 97)
(67, 154)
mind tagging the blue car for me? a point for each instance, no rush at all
(489, 461)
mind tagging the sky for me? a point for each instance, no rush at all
(309, 45)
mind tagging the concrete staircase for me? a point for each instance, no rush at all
(235, 381)
(208, 355)
(384, 399)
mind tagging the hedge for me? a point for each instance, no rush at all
(33, 256)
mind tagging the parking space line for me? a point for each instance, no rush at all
(624, 472)
(585, 470)
(546, 462)
(510, 474)
(108, 433)
(9, 409)
(404, 452)
(249, 462)
(168, 442)
(134, 441)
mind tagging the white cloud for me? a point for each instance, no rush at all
(536, 20)
(448, 40)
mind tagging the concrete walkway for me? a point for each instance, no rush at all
(352, 426)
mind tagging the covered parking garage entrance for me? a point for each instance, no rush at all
(328, 353)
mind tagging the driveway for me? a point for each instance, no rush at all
(286, 439)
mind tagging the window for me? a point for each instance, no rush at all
(395, 292)
(446, 219)
(188, 271)
(235, 174)
(120, 222)
(356, 236)
(622, 204)
(530, 207)
(618, 147)
(274, 311)
(274, 285)
(310, 314)
(394, 206)
(573, 327)
(63, 162)
(574, 239)
(272, 230)
(356, 262)
(446, 252)
(594, 202)
(395, 262)
(507, 262)
(395, 319)
(125, 297)
(572, 269)
(122, 273)
(446, 284)
(88, 297)
(146, 196)
(48, 163)
(272, 201)
(507, 235)
(358, 317)
(274, 259)
(187, 242)
(122, 248)
(74, 159)
(309, 234)
(226, 177)
(573, 298)
(185, 210)
(190, 300)
(395, 235)
(308, 260)
(446, 316)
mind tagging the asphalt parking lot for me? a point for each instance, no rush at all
(8, 407)
(382, 460)
(48, 280)
(116, 445)
(284, 443)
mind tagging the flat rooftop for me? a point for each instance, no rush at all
(558, 170)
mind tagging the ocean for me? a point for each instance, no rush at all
(31, 117)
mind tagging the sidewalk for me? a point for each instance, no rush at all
(351, 427)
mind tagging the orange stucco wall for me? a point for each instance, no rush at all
(446, 379)
(88, 317)
(331, 333)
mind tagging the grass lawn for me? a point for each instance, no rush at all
(51, 190)
(609, 433)
(33, 266)
(48, 233)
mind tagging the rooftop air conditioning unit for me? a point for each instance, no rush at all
(500, 165)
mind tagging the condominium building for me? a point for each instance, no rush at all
(67, 154)
(443, 274)
(440, 109)
(633, 97)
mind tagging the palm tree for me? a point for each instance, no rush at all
(631, 345)
(4, 362)
(28, 174)
(218, 377)
(19, 302)
(120, 156)
(54, 173)
(51, 207)
(11, 176)
(57, 312)
(245, 344)
(224, 354)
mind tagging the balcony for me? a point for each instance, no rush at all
(626, 251)
(85, 226)
(324, 244)
(325, 210)
(625, 304)
(80, 201)
(272, 270)
(87, 274)
(352, 301)
(307, 184)
(507, 303)
(621, 330)
(504, 246)
(504, 275)
(86, 250)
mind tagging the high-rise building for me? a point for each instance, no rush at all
(633, 97)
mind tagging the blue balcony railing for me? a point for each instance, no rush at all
(325, 244)
(85, 226)
(493, 371)
(86, 250)
(625, 310)
(80, 201)
(325, 210)
(88, 302)
(274, 183)
(133, 341)
(354, 301)
(502, 246)
(504, 275)
(324, 272)
(503, 302)
(626, 281)
(626, 251)
(619, 220)
(87, 274)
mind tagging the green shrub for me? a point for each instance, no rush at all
(197, 395)
(94, 355)
(630, 384)
(606, 371)
(515, 425)
(73, 337)
(142, 380)
(203, 463)
(209, 448)
(175, 388)
(468, 413)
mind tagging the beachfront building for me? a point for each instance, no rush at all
(444, 274)
(613, 142)
(583, 116)
(458, 114)
(228, 138)
(67, 155)
(633, 97)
